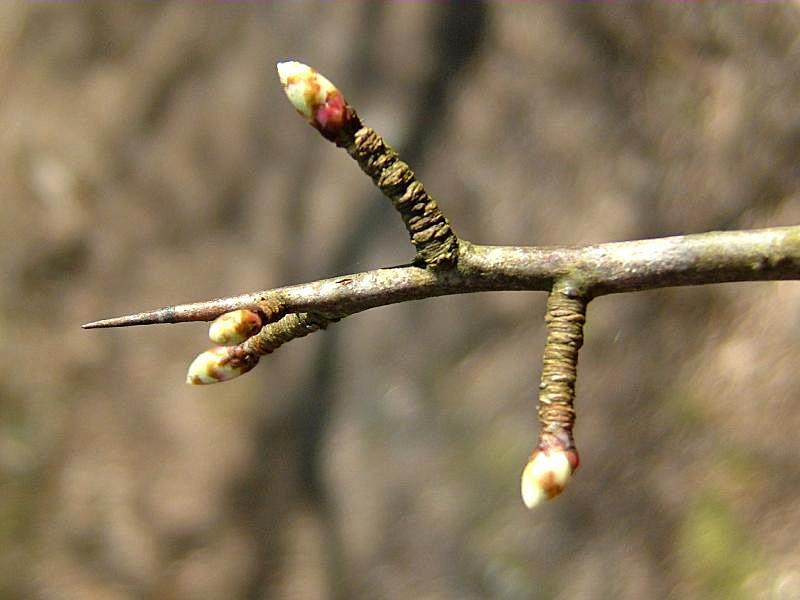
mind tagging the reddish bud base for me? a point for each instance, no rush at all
(334, 117)
(332, 114)
(561, 441)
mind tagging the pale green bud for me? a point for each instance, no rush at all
(219, 364)
(305, 88)
(545, 476)
(234, 327)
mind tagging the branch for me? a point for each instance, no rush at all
(714, 257)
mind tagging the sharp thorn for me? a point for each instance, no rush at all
(181, 313)
(164, 315)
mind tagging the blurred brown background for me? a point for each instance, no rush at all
(148, 157)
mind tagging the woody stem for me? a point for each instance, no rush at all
(566, 314)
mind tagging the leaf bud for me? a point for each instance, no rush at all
(314, 97)
(234, 327)
(219, 364)
(547, 473)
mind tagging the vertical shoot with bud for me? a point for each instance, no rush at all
(324, 107)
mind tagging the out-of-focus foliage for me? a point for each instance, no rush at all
(147, 157)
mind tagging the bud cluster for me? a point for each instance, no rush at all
(228, 359)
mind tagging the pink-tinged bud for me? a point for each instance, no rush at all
(234, 327)
(547, 473)
(314, 97)
(219, 364)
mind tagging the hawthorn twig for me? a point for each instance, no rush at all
(251, 325)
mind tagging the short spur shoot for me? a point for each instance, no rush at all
(554, 460)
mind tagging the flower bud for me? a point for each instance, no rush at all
(234, 327)
(547, 473)
(314, 97)
(219, 364)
